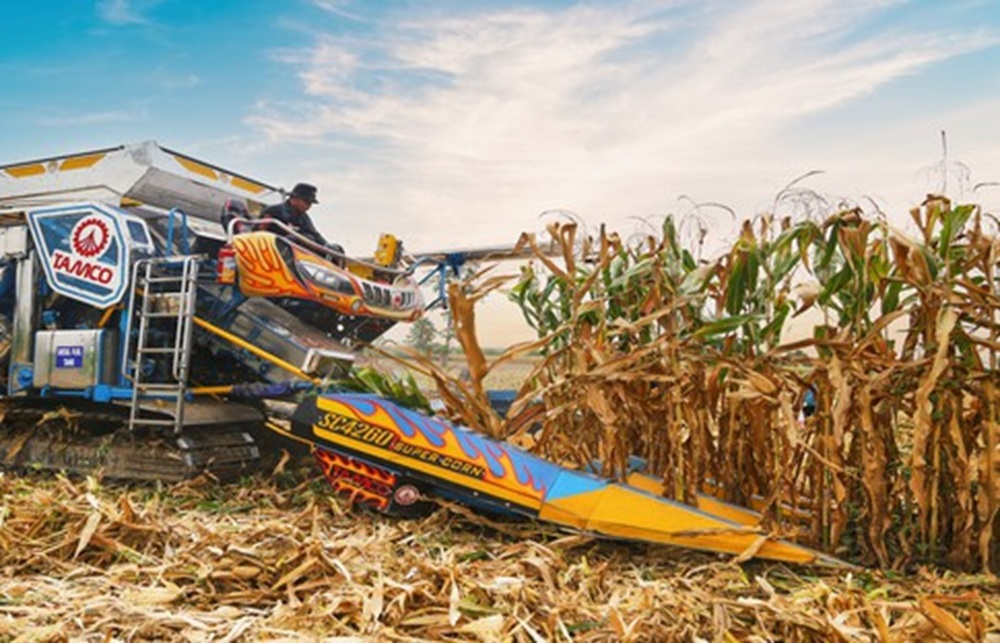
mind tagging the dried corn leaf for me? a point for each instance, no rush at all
(149, 596)
(89, 528)
(943, 620)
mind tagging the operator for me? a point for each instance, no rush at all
(294, 213)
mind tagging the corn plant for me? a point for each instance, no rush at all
(647, 351)
(651, 353)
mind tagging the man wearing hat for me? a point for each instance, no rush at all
(294, 213)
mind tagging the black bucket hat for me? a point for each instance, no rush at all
(305, 192)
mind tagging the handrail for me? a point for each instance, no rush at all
(182, 343)
(126, 324)
(311, 245)
(185, 246)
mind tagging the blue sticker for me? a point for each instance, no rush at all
(83, 251)
(69, 356)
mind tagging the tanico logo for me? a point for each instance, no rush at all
(83, 251)
(89, 240)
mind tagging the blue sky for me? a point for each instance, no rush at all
(452, 123)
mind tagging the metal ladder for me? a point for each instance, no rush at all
(172, 281)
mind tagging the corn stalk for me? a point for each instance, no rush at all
(647, 352)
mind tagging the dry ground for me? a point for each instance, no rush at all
(278, 559)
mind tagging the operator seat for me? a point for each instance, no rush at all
(234, 209)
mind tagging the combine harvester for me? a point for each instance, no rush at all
(156, 334)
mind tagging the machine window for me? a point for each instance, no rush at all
(138, 232)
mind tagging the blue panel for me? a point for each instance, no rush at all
(572, 483)
(69, 356)
(501, 458)
(82, 249)
(527, 468)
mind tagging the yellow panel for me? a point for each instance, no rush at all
(573, 510)
(634, 515)
(21, 171)
(365, 272)
(249, 186)
(738, 514)
(706, 503)
(81, 162)
(647, 483)
(387, 251)
(197, 168)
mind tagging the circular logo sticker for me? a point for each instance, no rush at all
(407, 495)
(90, 237)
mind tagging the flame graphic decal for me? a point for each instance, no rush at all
(262, 271)
(506, 472)
(356, 480)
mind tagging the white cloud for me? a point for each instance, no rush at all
(463, 129)
(337, 7)
(119, 12)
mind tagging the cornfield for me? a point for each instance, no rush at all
(644, 351)
(647, 351)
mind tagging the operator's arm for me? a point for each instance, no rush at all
(277, 213)
(307, 229)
